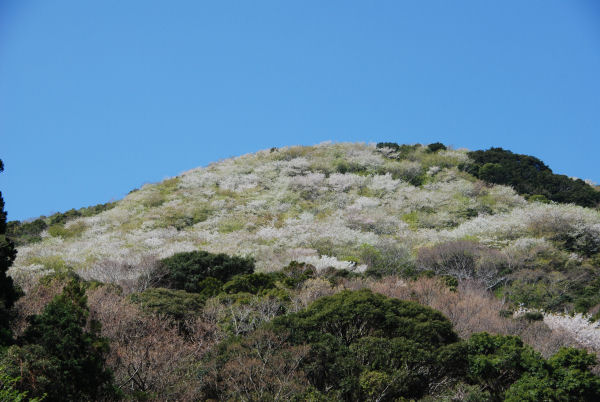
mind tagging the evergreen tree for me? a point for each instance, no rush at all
(76, 354)
(8, 293)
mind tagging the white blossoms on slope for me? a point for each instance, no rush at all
(295, 198)
(324, 261)
(582, 329)
(384, 182)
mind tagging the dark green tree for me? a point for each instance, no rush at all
(61, 353)
(497, 361)
(187, 271)
(250, 283)
(530, 176)
(566, 376)
(361, 340)
(436, 146)
(177, 304)
(8, 293)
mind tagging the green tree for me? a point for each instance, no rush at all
(61, 353)
(250, 283)
(8, 293)
(436, 146)
(186, 271)
(566, 377)
(530, 176)
(177, 304)
(360, 339)
(497, 361)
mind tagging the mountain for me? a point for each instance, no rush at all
(342, 205)
(495, 241)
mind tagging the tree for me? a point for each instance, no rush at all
(530, 176)
(8, 293)
(8, 392)
(187, 271)
(566, 377)
(436, 146)
(359, 340)
(61, 353)
(497, 361)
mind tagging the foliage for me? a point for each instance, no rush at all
(387, 259)
(186, 271)
(391, 202)
(60, 230)
(533, 316)
(295, 273)
(402, 151)
(530, 176)
(64, 217)
(357, 345)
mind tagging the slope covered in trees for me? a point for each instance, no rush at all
(248, 280)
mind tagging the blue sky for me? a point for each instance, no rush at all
(98, 98)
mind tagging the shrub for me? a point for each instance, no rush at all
(8, 391)
(386, 259)
(295, 273)
(400, 151)
(566, 376)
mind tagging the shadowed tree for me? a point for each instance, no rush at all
(8, 293)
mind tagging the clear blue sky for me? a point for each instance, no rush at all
(99, 97)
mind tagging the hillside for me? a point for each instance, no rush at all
(338, 205)
(331, 253)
